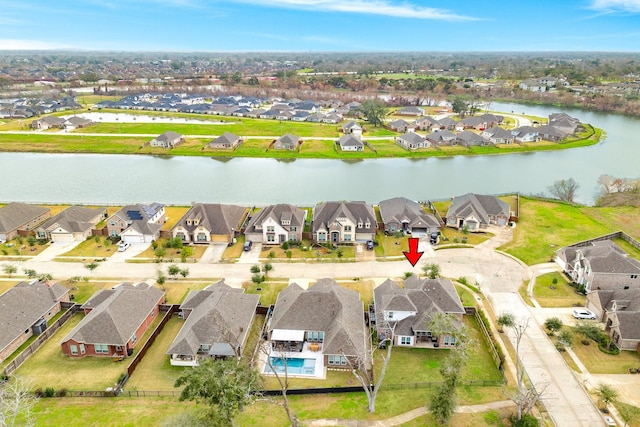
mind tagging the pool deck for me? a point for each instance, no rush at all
(320, 370)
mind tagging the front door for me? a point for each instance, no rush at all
(335, 236)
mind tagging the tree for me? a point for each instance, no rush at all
(606, 394)
(16, 403)
(267, 267)
(283, 381)
(31, 241)
(226, 386)
(553, 324)
(506, 320)
(565, 338)
(31, 274)
(375, 110)
(339, 253)
(91, 266)
(628, 413)
(160, 252)
(161, 279)
(185, 253)
(45, 277)
(184, 273)
(564, 189)
(173, 270)
(255, 269)
(432, 270)
(459, 106)
(10, 269)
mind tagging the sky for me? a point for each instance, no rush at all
(321, 25)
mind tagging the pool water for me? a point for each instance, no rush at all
(294, 366)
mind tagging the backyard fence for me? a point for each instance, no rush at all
(39, 341)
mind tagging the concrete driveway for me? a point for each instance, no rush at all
(252, 256)
(213, 253)
(133, 250)
(56, 249)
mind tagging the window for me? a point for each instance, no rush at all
(347, 228)
(271, 229)
(405, 340)
(634, 276)
(315, 336)
(446, 340)
(293, 228)
(337, 360)
(74, 349)
(271, 238)
(390, 315)
(347, 237)
(201, 237)
(134, 338)
(113, 223)
(101, 348)
(367, 225)
(359, 225)
(204, 347)
(322, 237)
(82, 350)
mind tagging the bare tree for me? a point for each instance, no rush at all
(283, 381)
(564, 189)
(16, 403)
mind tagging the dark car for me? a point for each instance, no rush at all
(247, 246)
(370, 245)
(433, 239)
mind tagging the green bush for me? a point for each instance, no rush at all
(61, 393)
(527, 420)
(285, 245)
(49, 392)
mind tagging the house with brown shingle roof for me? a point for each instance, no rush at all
(168, 139)
(276, 224)
(406, 216)
(619, 309)
(405, 313)
(343, 222)
(217, 323)
(227, 140)
(287, 142)
(210, 222)
(599, 265)
(73, 223)
(324, 323)
(16, 217)
(115, 320)
(477, 211)
(24, 309)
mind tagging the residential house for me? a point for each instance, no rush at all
(410, 111)
(525, 134)
(533, 85)
(407, 216)
(276, 224)
(25, 310)
(492, 119)
(16, 217)
(350, 142)
(210, 222)
(399, 125)
(600, 302)
(343, 222)
(467, 138)
(619, 309)
(564, 123)
(599, 265)
(448, 123)
(77, 122)
(443, 137)
(169, 139)
(48, 122)
(332, 118)
(115, 320)
(471, 122)
(497, 135)
(404, 314)
(137, 223)
(427, 123)
(476, 212)
(412, 141)
(324, 323)
(352, 128)
(287, 142)
(72, 224)
(227, 140)
(217, 323)
(550, 133)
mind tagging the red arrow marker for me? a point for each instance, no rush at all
(413, 255)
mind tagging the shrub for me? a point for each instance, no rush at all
(560, 347)
(285, 245)
(257, 278)
(39, 393)
(463, 280)
(527, 420)
(61, 393)
(255, 269)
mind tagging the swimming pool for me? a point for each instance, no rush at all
(295, 366)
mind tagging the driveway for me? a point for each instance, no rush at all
(56, 249)
(213, 253)
(133, 250)
(252, 256)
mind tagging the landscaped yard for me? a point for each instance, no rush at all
(171, 254)
(48, 367)
(173, 214)
(553, 290)
(598, 362)
(363, 287)
(453, 236)
(20, 247)
(268, 291)
(307, 252)
(93, 247)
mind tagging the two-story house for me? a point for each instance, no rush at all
(406, 216)
(477, 211)
(276, 224)
(137, 223)
(343, 222)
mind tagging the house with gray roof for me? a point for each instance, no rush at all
(168, 139)
(497, 135)
(404, 313)
(137, 223)
(217, 323)
(399, 125)
(351, 127)
(48, 122)
(525, 134)
(350, 142)
(550, 133)
(619, 309)
(72, 224)
(77, 122)
(599, 265)
(448, 123)
(442, 137)
(225, 141)
(25, 310)
(427, 123)
(477, 211)
(410, 111)
(210, 222)
(324, 323)
(276, 224)
(466, 138)
(115, 320)
(412, 141)
(343, 222)
(16, 217)
(406, 216)
(287, 142)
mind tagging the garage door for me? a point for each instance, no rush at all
(137, 238)
(62, 237)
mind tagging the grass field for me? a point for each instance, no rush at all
(559, 294)
(298, 252)
(93, 247)
(598, 362)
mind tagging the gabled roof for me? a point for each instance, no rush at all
(326, 213)
(328, 307)
(625, 299)
(217, 218)
(168, 136)
(288, 139)
(412, 138)
(604, 257)
(138, 213)
(479, 205)
(116, 314)
(403, 210)
(74, 219)
(226, 138)
(468, 136)
(293, 214)
(447, 121)
(25, 304)
(398, 123)
(16, 214)
(350, 125)
(219, 316)
(629, 324)
(498, 132)
(349, 140)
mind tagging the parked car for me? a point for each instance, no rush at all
(609, 421)
(433, 238)
(583, 313)
(123, 246)
(247, 246)
(370, 245)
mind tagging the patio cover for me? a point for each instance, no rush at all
(287, 335)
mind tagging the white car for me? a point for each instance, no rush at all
(583, 313)
(609, 421)
(122, 246)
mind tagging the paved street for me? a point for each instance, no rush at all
(497, 275)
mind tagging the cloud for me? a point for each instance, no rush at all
(632, 6)
(22, 44)
(373, 7)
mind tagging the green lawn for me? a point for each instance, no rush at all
(93, 247)
(268, 291)
(20, 247)
(307, 252)
(559, 294)
(172, 254)
(48, 367)
(155, 371)
(598, 362)
(466, 296)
